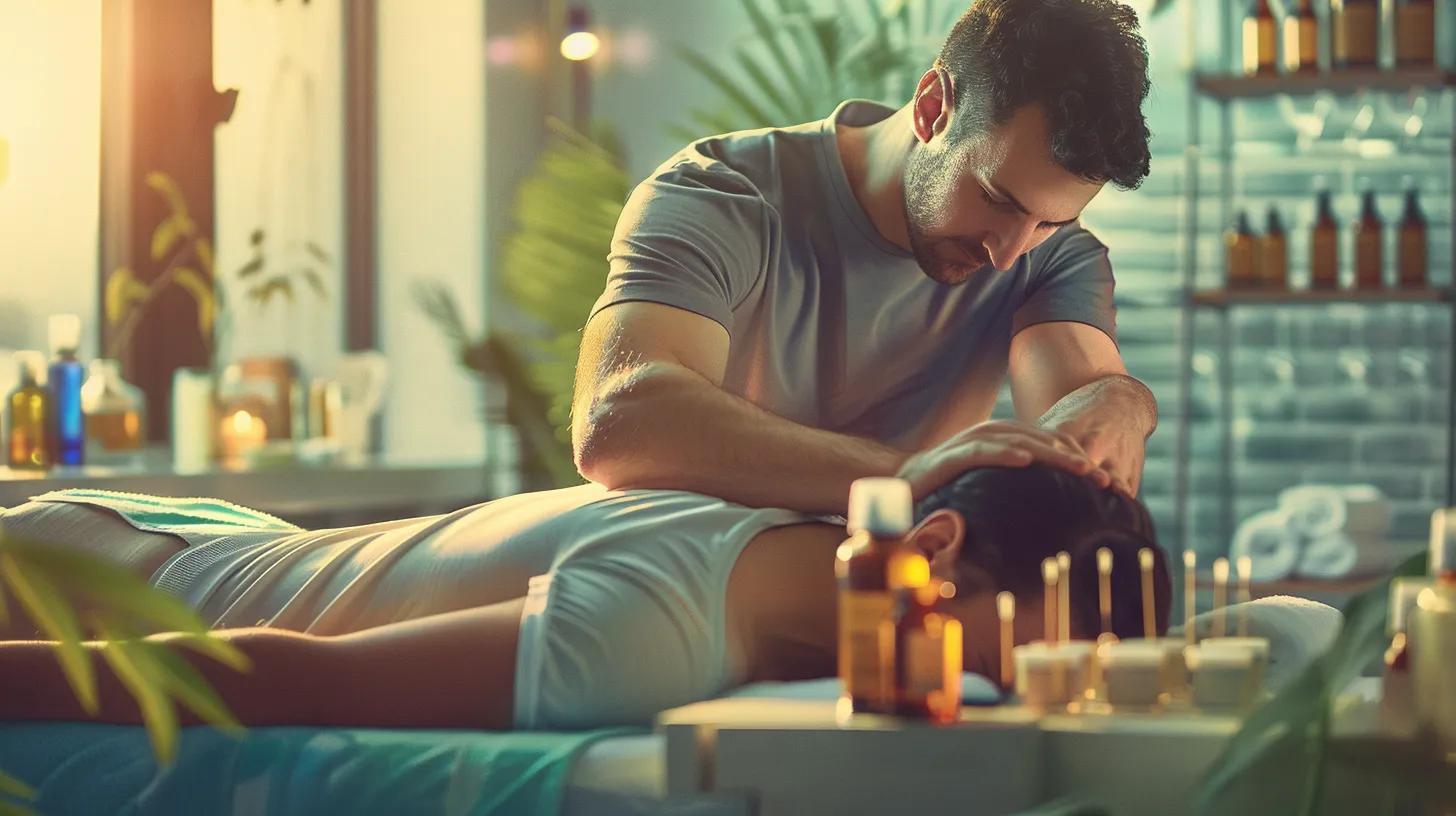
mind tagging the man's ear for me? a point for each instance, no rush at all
(939, 537)
(934, 100)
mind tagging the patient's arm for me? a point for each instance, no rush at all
(454, 670)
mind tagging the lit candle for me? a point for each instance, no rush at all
(1064, 595)
(1049, 596)
(1190, 593)
(1006, 611)
(1245, 567)
(1145, 565)
(1220, 596)
(1104, 589)
(239, 433)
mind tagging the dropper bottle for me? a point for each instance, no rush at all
(1433, 637)
(869, 567)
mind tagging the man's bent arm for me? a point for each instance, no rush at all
(657, 423)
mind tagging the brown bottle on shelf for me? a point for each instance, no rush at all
(1369, 261)
(1411, 244)
(1356, 32)
(1239, 243)
(1324, 247)
(1301, 39)
(1260, 38)
(1274, 254)
(1415, 33)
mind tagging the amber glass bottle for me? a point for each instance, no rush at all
(1239, 244)
(1415, 33)
(869, 567)
(1411, 243)
(928, 660)
(28, 408)
(1324, 248)
(1301, 39)
(1357, 33)
(1369, 255)
(1274, 254)
(1260, 39)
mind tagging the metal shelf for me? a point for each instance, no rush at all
(1225, 298)
(1342, 82)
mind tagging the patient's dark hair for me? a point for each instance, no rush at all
(1015, 517)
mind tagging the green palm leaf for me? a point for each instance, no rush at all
(10, 786)
(158, 714)
(47, 608)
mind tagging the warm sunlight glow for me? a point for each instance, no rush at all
(580, 45)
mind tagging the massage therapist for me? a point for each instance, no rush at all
(790, 309)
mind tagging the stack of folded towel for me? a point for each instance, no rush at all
(1318, 531)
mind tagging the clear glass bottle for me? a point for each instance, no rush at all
(28, 409)
(115, 412)
(1433, 637)
(1397, 696)
(869, 566)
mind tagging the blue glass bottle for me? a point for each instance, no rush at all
(68, 424)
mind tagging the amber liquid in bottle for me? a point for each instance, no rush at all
(1415, 33)
(1239, 241)
(1411, 244)
(1357, 33)
(1260, 38)
(1324, 254)
(1369, 260)
(1301, 39)
(1274, 254)
(928, 660)
(28, 446)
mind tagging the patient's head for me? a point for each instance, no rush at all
(990, 529)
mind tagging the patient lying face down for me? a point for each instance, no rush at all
(654, 599)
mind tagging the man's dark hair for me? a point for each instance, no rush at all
(1015, 517)
(1083, 60)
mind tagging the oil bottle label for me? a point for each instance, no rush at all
(863, 655)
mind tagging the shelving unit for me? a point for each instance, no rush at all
(1227, 90)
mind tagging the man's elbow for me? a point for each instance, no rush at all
(606, 440)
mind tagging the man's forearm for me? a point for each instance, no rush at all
(1130, 394)
(674, 429)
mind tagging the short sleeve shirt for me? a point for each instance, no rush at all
(830, 325)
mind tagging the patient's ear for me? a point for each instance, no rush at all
(939, 536)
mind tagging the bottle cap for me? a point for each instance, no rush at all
(64, 332)
(1403, 594)
(880, 506)
(1443, 540)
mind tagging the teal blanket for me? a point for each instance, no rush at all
(90, 768)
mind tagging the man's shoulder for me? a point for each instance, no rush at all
(758, 163)
(1072, 245)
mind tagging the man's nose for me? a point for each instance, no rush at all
(1011, 241)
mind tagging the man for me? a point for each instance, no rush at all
(790, 309)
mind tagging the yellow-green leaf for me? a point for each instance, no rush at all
(158, 713)
(13, 809)
(123, 291)
(203, 247)
(167, 187)
(189, 687)
(49, 610)
(109, 586)
(216, 648)
(10, 786)
(200, 289)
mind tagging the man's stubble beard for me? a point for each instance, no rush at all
(918, 191)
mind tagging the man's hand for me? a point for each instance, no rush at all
(995, 444)
(1110, 419)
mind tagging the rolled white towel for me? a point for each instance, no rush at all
(1298, 631)
(1271, 544)
(1320, 509)
(1342, 555)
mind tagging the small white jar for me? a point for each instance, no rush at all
(1132, 673)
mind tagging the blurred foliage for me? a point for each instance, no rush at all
(1294, 725)
(68, 596)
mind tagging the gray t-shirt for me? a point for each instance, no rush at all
(831, 325)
